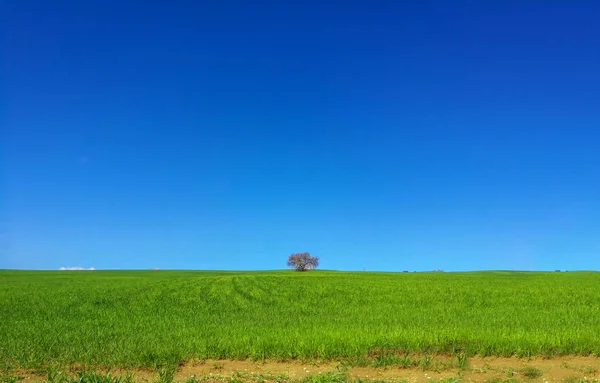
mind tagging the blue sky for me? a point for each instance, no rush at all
(376, 135)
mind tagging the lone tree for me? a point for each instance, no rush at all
(302, 261)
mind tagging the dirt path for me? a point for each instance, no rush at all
(477, 369)
(569, 369)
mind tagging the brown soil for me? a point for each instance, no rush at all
(478, 370)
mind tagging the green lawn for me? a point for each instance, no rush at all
(141, 318)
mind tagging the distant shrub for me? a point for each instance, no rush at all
(302, 261)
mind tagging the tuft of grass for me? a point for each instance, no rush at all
(90, 376)
(483, 369)
(449, 380)
(339, 376)
(500, 380)
(588, 370)
(166, 375)
(425, 362)
(531, 372)
(389, 358)
(55, 375)
(462, 361)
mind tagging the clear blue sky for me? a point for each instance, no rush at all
(385, 135)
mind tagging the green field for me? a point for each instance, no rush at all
(145, 318)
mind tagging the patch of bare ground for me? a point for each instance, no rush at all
(566, 369)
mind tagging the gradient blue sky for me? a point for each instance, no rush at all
(384, 135)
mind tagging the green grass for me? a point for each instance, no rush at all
(153, 318)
